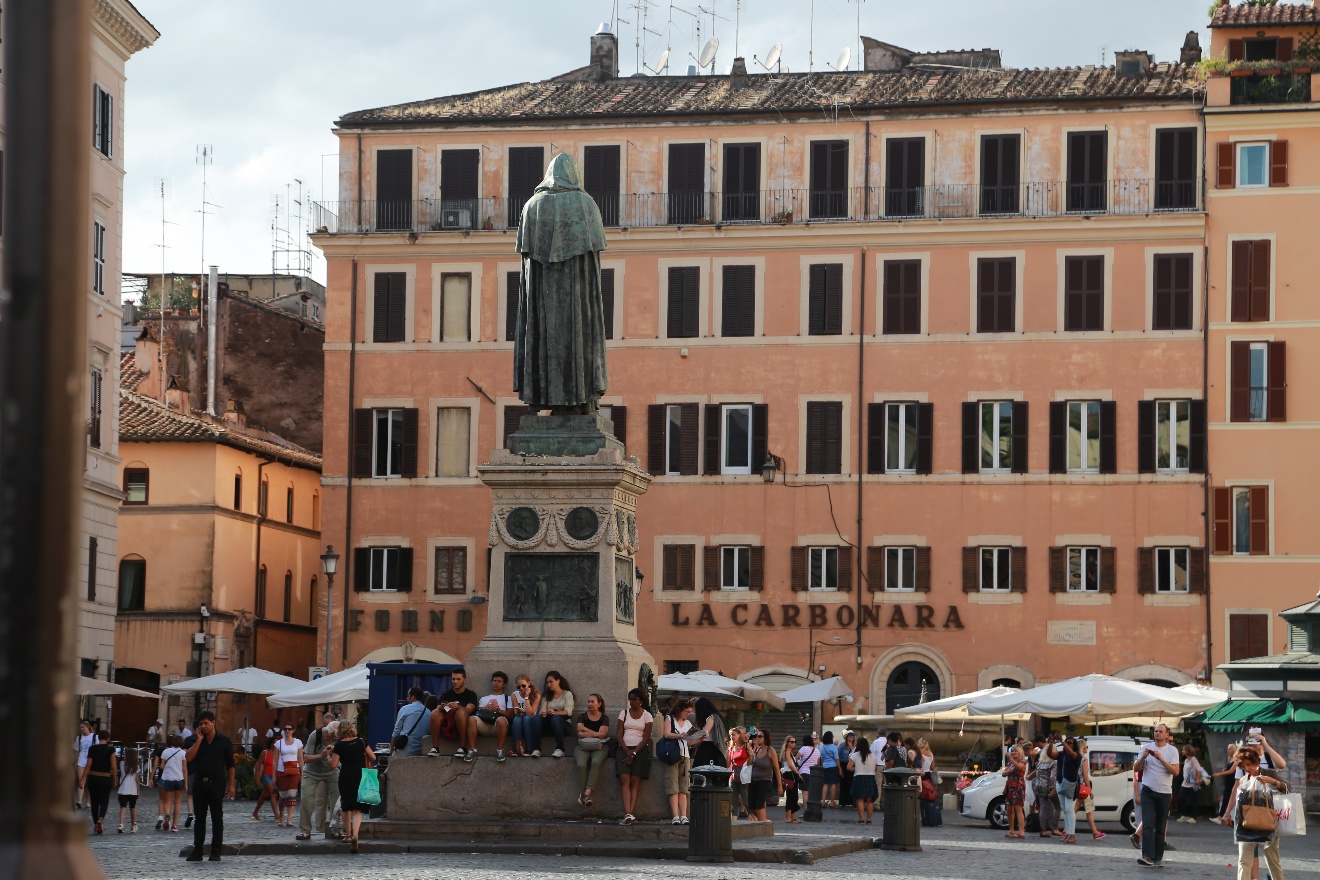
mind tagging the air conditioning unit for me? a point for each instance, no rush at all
(456, 218)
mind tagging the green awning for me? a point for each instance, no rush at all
(1234, 714)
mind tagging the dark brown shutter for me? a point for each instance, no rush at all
(1279, 162)
(1239, 381)
(710, 560)
(925, 438)
(875, 569)
(756, 569)
(824, 437)
(688, 419)
(607, 299)
(364, 427)
(1240, 283)
(875, 438)
(460, 174)
(678, 567)
(1276, 401)
(1222, 513)
(825, 299)
(669, 567)
(738, 301)
(1146, 570)
(1284, 50)
(394, 189)
(380, 308)
(1058, 437)
(361, 569)
(684, 296)
(971, 578)
(601, 173)
(845, 569)
(91, 569)
(1084, 293)
(923, 569)
(1259, 504)
(798, 568)
(1018, 569)
(760, 435)
(512, 281)
(1260, 280)
(619, 416)
(409, 464)
(971, 437)
(1108, 437)
(98, 118)
(1196, 437)
(1146, 443)
(657, 420)
(1225, 172)
(513, 416)
(1058, 569)
(1237, 50)
(526, 168)
(1172, 306)
(714, 426)
(1108, 573)
(403, 570)
(1196, 569)
(1019, 437)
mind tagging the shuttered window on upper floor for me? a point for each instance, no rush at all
(389, 307)
(825, 299)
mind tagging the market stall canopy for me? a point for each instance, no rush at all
(955, 708)
(1232, 716)
(92, 687)
(342, 687)
(818, 691)
(249, 680)
(1095, 698)
(704, 683)
(1174, 723)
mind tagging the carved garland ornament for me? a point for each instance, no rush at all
(553, 530)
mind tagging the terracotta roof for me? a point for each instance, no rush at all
(144, 420)
(129, 375)
(1257, 16)
(786, 92)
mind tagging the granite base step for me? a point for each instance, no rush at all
(607, 830)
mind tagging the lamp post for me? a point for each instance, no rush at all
(330, 564)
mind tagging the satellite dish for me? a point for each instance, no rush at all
(841, 63)
(708, 52)
(662, 65)
(773, 58)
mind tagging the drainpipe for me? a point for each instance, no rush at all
(352, 442)
(866, 174)
(256, 571)
(861, 438)
(1206, 523)
(358, 228)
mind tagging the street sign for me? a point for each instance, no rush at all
(315, 672)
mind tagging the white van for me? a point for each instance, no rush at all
(1111, 784)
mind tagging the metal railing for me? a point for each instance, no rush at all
(782, 206)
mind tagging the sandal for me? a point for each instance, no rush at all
(301, 836)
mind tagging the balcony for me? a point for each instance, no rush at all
(1248, 87)
(783, 206)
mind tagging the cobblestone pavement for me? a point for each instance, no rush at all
(959, 850)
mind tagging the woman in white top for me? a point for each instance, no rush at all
(171, 765)
(808, 757)
(288, 775)
(679, 727)
(632, 759)
(862, 762)
(81, 743)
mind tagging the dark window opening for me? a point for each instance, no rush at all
(460, 183)
(905, 171)
(526, 169)
(687, 183)
(601, 180)
(1000, 174)
(829, 180)
(1087, 170)
(742, 183)
(1177, 176)
(394, 207)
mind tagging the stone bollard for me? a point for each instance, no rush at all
(815, 790)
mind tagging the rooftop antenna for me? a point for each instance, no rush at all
(160, 349)
(811, 39)
(772, 58)
(841, 63)
(861, 50)
(713, 15)
(737, 25)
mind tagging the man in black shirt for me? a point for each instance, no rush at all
(450, 718)
(211, 757)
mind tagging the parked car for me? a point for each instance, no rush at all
(1111, 784)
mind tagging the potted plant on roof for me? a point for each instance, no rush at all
(783, 218)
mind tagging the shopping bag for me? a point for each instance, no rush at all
(1292, 817)
(369, 788)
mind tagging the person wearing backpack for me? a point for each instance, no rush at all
(895, 754)
(1193, 777)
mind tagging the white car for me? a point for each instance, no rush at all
(1111, 784)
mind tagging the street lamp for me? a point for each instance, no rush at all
(772, 464)
(330, 564)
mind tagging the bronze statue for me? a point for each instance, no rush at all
(559, 345)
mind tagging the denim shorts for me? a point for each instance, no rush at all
(171, 785)
(267, 779)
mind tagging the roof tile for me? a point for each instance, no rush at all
(1256, 16)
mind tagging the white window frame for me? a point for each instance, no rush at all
(380, 564)
(673, 439)
(736, 553)
(1240, 165)
(1080, 561)
(1179, 409)
(904, 559)
(385, 414)
(903, 408)
(1166, 560)
(727, 410)
(1003, 558)
(1258, 392)
(1003, 459)
(818, 562)
(1079, 444)
(1241, 531)
(98, 257)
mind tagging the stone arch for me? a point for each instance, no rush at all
(986, 677)
(1155, 670)
(895, 657)
(395, 655)
(795, 671)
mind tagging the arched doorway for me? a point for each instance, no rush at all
(909, 684)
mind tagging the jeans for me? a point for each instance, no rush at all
(208, 797)
(1068, 801)
(588, 766)
(1154, 816)
(528, 729)
(558, 726)
(318, 798)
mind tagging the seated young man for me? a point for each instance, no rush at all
(450, 718)
(491, 717)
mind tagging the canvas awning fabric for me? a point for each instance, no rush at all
(1234, 715)
(342, 687)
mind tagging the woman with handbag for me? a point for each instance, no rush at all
(710, 750)
(761, 773)
(556, 709)
(737, 750)
(807, 757)
(1254, 818)
(1189, 791)
(930, 804)
(289, 776)
(593, 730)
(1085, 800)
(632, 759)
(863, 763)
(1069, 780)
(677, 729)
(350, 756)
(788, 772)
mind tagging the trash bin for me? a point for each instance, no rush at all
(710, 834)
(377, 811)
(901, 795)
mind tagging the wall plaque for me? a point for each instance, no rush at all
(523, 523)
(551, 586)
(623, 589)
(1071, 632)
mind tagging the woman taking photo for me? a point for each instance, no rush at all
(632, 760)
(1254, 787)
(556, 709)
(766, 779)
(1015, 791)
(863, 763)
(677, 775)
(807, 757)
(593, 729)
(350, 755)
(527, 719)
(792, 780)
(265, 768)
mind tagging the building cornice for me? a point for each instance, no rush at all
(123, 22)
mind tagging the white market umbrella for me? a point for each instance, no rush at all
(249, 680)
(711, 684)
(94, 687)
(955, 708)
(1094, 698)
(1197, 690)
(342, 687)
(1203, 690)
(817, 691)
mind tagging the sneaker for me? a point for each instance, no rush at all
(499, 755)
(459, 753)
(1136, 840)
(582, 799)
(683, 820)
(677, 820)
(134, 831)
(536, 753)
(187, 823)
(160, 822)
(174, 828)
(1100, 835)
(434, 753)
(558, 753)
(628, 819)
(100, 829)
(471, 755)
(1190, 821)
(121, 829)
(1145, 862)
(1168, 847)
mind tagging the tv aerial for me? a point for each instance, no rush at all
(841, 63)
(662, 65)
(707, 58)
(771, 59)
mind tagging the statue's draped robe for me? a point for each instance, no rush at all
(559, 345)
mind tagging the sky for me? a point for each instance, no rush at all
(261, 82)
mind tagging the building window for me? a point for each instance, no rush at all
(389, 307)
(512, 285)
(1172, 435)
(687, 184)
(136, 484)
(996, 295)
(316, 511)
(103, 121)
(1257, 382)
(829, 180)
(824, 437)
(741, 200)
(288, 505)
(738, 301)
(1083, 293)
(673, 440)
(901, 438)
(1248, 636)
(263, 496)
(905, 177)
(822, 569)
(735, 568)
(736, 439)
(1253, 166)
(684, 294)
(1242, 520)
(452, 441)
(1249, 296)
(455, 307)
(94, 406)
(394, 206)
(996, 569)
(92, 544)
(313, 602)
(1000, 173)
(680, 667)
(526, 168)
(1088, 169)
(1083, 436)
(600, 175)
(288, 597)
(132, 584)
(450, 571)
(382, 569)
(901, 309)
(900, 569)
(260, 598)
(909, 684)
(996, 436)
(1083, 569)
(1171, 569)
(460, 184)
(1177, 175)
(678, 564)
(238, 491)
(98, 257)
(825, 299)
(1172, 291)
(387, 455)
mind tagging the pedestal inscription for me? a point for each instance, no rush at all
(551, 586)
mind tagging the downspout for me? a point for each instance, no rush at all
(866, 173)
(256, 572)
(352, 444)
(861, 470)
(1207, 522)
(358, 228)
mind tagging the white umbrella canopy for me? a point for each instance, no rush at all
(93, 687)
(1203, 690)
(342, 687)
(704, 683)
(1094, 698)
(1214, 695)
(817, 691)
(249, 680)
(955, 708)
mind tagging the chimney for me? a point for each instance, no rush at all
(738, 75)
(1191, 48)
(177, 396)
(145, 352)
(235, 415)
(605, 52)
(1133, 63)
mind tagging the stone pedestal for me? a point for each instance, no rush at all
(563, 585)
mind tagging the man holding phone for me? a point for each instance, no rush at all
(1157, 764)
(212, 754)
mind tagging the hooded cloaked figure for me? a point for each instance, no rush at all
(559, 344)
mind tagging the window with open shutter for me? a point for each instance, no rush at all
(364, 427)
(460, 189)
(824, 437)
(738, 301)
(901, 307)
(607, 300)
(1019, 442)
(905, 172)
(925, 438)
(1083, 293)
(684, 300)
(996, 295)
(825, 299)
(92, 545)
(1177, 172)
(394, 206)
(1172, 289)
(103, 121)
(828, 198)
(389, 307)
(741, 200)
(601, 179)
(1221, 511)
(1276, 388)
(687, 183)
(1278, 163)
(95, 408)
(1259, 503)
(1000, 173)
(1225, 165)
(526, 168)
(1088, 168)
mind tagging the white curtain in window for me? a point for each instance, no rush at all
(451, 446)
